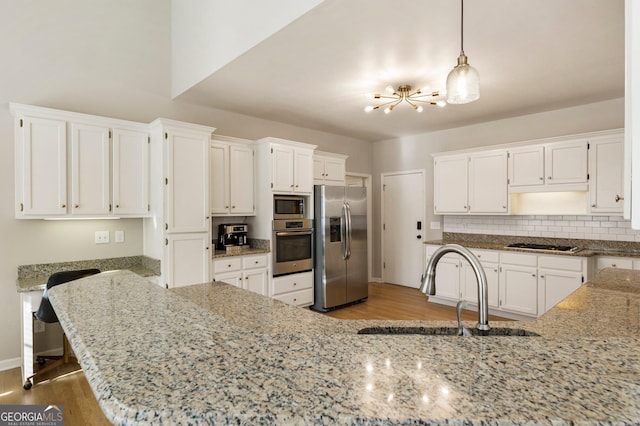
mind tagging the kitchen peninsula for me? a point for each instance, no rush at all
(213, 353)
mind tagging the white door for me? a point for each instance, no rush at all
(403, 213)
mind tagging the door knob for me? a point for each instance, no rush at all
(419, 237)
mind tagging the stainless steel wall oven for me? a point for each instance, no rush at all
(292, 246)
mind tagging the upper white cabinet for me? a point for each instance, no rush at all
(606, 175)
(552, 166)
(232, 177)
(328, 169)
(130, 172)
(78, 165)
(41, 167)
(290, 165)
(475, 183)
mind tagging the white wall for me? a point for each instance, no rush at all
(208, 34)
(109, 58)
(414, 152)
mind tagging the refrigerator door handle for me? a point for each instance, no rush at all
(343, 231)
(348, 210)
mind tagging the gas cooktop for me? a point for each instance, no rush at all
(546, 247)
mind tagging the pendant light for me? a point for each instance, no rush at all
(463, 82)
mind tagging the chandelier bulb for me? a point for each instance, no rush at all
(368, 108)
(390, 89)
(387, 110)
(419, 108)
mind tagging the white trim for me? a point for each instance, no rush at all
(8, 364)
(632, 113)
(367, 184)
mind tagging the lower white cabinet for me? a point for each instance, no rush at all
(615, 262)
(249, 272)
(520, 285)
(188, 257)
(294, 289)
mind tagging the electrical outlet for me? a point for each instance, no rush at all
(119, 237)
(102, 237)
(38, 326)
(435, 225)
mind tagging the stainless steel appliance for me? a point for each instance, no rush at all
(292, 246)
(232, 235)
(340, 264)
(288, 207)
(543, 247)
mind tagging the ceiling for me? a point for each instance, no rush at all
(532, 56)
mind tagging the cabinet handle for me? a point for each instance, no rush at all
(618, 198)
(257, 262)
(226, 207)
(504, 207)
(549, 178)
(295, 284)
(613, 265)
(542, 276)
(233, 207)
(77, 206)
(291, 186)
(533, 275)
(229, 266)
(295, 300)
(593, 205)
(495, 270)
(117, 206)
(541, 178)
(296, 186)
(207, 248)
(500, 303)
(64, 206)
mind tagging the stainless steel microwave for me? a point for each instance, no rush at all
(288, 207)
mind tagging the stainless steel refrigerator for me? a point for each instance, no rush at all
(340, 256)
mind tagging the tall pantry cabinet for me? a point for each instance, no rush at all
(179, 229)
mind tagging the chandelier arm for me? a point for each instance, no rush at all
(461, 25)
(430, 95)
(395, 102)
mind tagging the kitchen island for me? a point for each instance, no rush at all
(213, 353)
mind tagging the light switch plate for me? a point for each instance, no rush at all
(102, 237)
(119, 237)
(435, 225)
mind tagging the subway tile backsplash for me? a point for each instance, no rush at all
(611, 228)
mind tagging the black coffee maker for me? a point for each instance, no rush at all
(232, 235)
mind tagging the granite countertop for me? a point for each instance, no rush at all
(213, 353)
(243, 252)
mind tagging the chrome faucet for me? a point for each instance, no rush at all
(428, 280)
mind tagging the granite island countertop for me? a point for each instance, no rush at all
(213, 353)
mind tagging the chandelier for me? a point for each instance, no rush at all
(463, 82)
(404, 93)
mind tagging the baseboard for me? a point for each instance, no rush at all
(376, 280)
(48, 352)
(8, 364)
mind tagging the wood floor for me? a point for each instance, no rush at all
(68, 386)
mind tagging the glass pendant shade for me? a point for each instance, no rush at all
(463, 83)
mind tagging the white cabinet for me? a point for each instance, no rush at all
(78, 165)
(294, 289)
(474, 183)
(469, 284)
(291, 169)
(328, 169)
(566, 162)
(606, 175)
(90, 174)
(180, 201)
(187, 258)
(249, 272)
(603, 262)
(519, 283)
(553, 166)
(450, 184)
(232, 178)
(559, 276)
(526, 166)
(41, 167)
(130, 172)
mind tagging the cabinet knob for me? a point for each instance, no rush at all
(229, 266)
(549, 178)
(117, 206)
(542, 276)
(77, 206)
(541, 178)
(296, 186)
(207, 247)
(233, 207)
(64, 206)
(226, 207)
(618, 198)
(504, 207)
(613, 265)
(593, 205)
(533, 275)
(291, 186)
(295, 284)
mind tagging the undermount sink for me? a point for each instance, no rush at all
(446, 331)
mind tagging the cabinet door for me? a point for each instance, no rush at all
(519, 289)
(303, 171)
(603, 262)
(281, 168)
(219, 169)
(558, 285)
(188, 259)
(450, 184)
(526, 166)
(448, 277)
(488, 182)
(256, 280)
(606, 174)
(242, 180)
(41, 174)
(187, 182)
(318, 170)
(566, 162)
(90, 175)
(469, 284)
(233, 278)
(334, 171)
(130, 173)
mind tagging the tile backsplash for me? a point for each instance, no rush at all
(611, 228)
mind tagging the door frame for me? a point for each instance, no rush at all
(382, 217)
(366, 179)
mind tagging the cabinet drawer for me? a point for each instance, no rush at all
(227, 264)
(519, 259)
(293, 282)
(561, 262)
(297, 298)
(487, 255)
(250, 262)
(613, 262)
